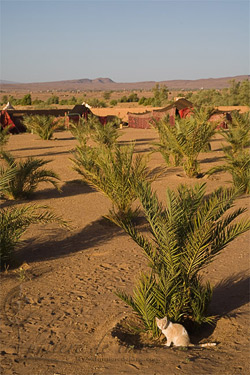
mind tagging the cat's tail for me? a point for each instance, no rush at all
(208, 344)
(203, 345)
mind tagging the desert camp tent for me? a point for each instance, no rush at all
(180, 107)
(8, 107)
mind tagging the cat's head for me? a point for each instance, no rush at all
(162, 323)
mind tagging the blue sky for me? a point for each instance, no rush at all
(126, 41)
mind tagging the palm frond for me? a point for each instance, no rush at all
(28, 174)
(15, 221)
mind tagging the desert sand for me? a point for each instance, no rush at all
(66, 325)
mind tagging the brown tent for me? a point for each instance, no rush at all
(144, 120)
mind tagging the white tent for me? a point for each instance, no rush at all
(8, 106)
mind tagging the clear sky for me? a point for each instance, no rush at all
(124, 40)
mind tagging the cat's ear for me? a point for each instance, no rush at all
(165, 321)
(157, 320)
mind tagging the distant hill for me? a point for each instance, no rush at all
(102, 84)
(4, 82)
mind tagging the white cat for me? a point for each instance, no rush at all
(175, 333)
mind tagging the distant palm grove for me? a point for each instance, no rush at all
(236, 94)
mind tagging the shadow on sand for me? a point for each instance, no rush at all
(96, 233)
(69, 189)
(229, 295)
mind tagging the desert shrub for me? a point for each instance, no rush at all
(52, 100)
(26, 100)
(142, 100)
(4, 99)
(112, 171)
(38, 102)
(106, 95)
(113, 102)
(236, 94)
(43, 126)
(72, 100)
(185, 236)
(96, 103)
(133, 98)
(181, 144)
(28, 174)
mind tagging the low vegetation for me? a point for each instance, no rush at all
(105, 135)
(113, 171)
(236, 152)
(14, 221)
(238, 166)
(236, 94)
(186, 236)
(181, 144)
(43, 126)
(4, 137)
(27, 174)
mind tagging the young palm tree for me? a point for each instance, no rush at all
(238, 132)
(43, 126)
(105, 135)
(112, 172)
(167, 134)
(14, 221)
(28, 174)
(4, 136)
(184, 142)
(81, 130)
(236, 154)
(238, 165)
(186, 236)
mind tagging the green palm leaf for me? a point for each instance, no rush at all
(27, 175)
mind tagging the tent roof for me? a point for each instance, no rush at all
(8, 106)
(80, 109)
(179, 104)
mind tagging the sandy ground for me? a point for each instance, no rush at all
(71, 276)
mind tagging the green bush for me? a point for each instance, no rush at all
(97, 103)
(26, 100)
(53, 100)
(113, 102)
(236, 94)
(106, 95)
